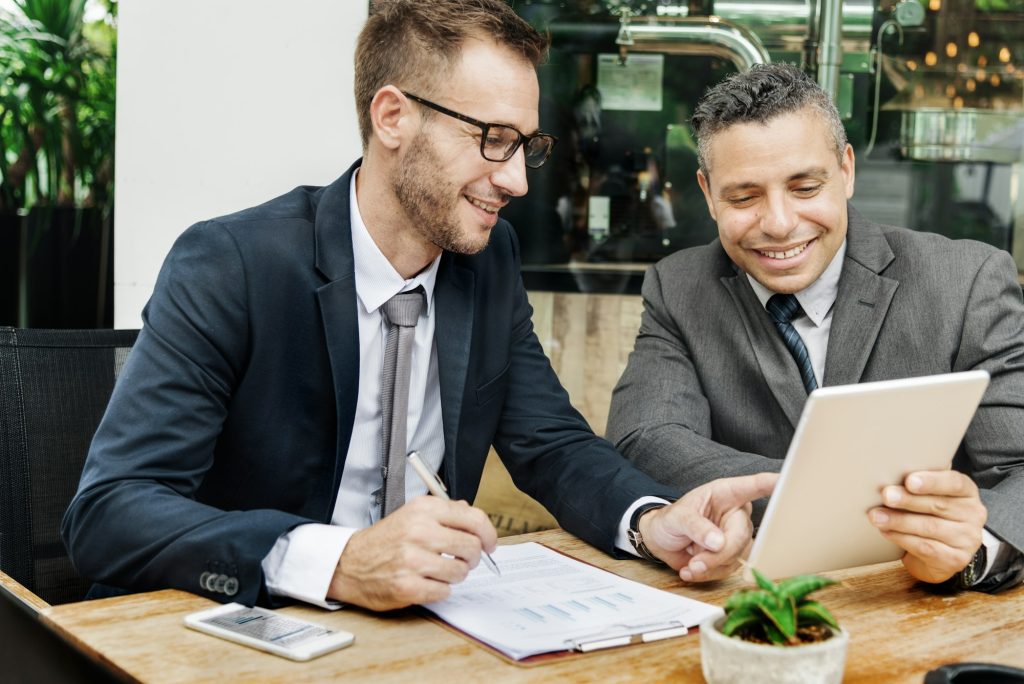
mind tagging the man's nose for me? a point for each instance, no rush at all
(510, 175)
(780, 217)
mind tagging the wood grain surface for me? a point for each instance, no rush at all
(898, 630)
(16, 589)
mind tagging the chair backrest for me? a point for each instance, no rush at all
(54, 388)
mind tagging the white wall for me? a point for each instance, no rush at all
(222, 104)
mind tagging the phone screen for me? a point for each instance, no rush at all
(269, 627)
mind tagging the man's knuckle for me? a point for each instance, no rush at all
(931, 526)
(406, 590)
(407, 556)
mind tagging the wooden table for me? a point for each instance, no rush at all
(898, 630)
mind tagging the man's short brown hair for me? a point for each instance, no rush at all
(413, 44)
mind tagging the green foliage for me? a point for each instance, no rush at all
(774, 612)
(56, 105)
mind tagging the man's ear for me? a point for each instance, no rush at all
(390, 114)
(705, 187)
(849, 168)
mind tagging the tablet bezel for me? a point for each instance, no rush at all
(861, 437)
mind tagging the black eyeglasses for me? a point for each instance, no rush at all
(499, 142)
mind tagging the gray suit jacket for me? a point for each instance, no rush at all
(711, 391)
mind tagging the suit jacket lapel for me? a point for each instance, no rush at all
(774, 360)
(453, 299)
(862, 301)
(337, 299)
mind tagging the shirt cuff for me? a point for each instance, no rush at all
(621, 540)
(301, 563)
(993, 547)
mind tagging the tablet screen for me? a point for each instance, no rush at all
(850, 443)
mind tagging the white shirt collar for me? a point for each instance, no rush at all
(377, 281)
(817, 298)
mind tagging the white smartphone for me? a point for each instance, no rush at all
(268, 631)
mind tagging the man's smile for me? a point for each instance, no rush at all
(788, 253)
(489, 208)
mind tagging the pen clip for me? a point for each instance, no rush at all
(428, 476)
(640, 634)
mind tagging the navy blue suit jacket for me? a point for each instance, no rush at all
(231, 419)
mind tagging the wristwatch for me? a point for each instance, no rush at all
(633, 533)
(972, 572)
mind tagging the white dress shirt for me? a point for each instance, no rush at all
(817, 301)
(301, 563)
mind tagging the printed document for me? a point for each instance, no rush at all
(545, 601)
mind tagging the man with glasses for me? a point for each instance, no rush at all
(293, 353)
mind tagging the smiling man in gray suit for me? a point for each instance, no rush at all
(799, 291)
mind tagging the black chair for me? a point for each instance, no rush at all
(54, 388)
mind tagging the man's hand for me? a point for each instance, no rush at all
(704, 534)
(937, 518)
(399, 562)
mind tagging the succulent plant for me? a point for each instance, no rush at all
(778, 613)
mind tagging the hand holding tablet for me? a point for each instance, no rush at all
(852, 443)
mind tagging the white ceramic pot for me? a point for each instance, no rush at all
(725, 660)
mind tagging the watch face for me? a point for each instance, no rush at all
(969, 575)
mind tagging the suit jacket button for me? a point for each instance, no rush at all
(218, 585)
(231, 586)
(203, 579)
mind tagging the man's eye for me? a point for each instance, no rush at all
(807, 189)
(740, 201)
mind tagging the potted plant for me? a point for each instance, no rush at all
(57, 76)
(774, 633)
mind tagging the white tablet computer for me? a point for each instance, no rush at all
(851, 441)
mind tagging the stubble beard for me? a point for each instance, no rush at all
(431, 202)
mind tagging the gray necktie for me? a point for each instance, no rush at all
(783, 309)
(400, 314)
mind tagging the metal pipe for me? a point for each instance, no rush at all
(778, 20)
(703, 35)
(830, 52)
(689, 36)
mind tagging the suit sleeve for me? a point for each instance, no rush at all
(993, 340)
(550, 451)
(660, 418)
(135, 522)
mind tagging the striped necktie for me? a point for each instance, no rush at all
(783, 308)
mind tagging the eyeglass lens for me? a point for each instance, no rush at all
(501, 143)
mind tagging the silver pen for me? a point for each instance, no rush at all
(437, 488)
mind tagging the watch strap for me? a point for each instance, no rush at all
(1004, 575)
(971, 573)
(633, 533)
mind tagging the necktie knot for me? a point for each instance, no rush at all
(783, 308)
(404, 308)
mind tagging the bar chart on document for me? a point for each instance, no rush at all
(545, 601)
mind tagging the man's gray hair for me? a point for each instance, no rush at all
(758, 96)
